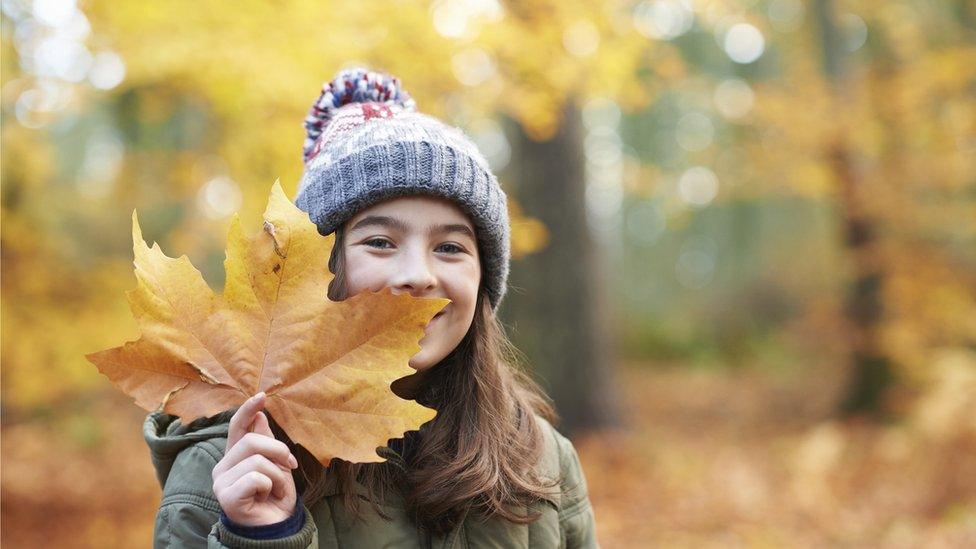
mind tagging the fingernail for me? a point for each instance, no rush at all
(292, 461)
(258, 396)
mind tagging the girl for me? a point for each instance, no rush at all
(416, 208)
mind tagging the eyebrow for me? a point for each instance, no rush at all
(399, 225)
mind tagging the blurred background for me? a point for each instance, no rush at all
(744, 236)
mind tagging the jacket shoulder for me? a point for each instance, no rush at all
(576, 518)
(167, 438)
(191, 474)
(560, 461)
(189, 510)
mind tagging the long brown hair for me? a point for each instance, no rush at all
(477, 455)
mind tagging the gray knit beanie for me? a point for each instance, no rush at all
(366, 143)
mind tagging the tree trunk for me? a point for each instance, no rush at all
(871, 368)
(557, 302)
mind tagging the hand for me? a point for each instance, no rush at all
(253, 481)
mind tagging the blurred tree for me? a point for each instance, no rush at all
(870, 366)
(559, 302)
(887, 132)
(559, 309)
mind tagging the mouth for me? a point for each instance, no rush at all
(435, 317)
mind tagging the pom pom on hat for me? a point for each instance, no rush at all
(356, 85)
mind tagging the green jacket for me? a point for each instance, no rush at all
(188, 516)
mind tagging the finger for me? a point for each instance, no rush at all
(280, 477)
(253, 443)
(252, 486)
(240, 422)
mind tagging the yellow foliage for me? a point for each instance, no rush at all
(948, 406)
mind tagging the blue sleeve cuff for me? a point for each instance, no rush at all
(288, 527)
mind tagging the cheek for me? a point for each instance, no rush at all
(464, 287)
(364, 272)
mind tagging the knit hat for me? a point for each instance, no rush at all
(367, 143)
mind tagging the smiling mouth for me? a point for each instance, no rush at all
(430, 323)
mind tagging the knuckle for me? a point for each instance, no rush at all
(249, 478)
(256, 462)
(251, 441)
(220, 466)
(259, 478)
(257, 442)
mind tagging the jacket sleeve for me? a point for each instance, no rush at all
(189, 515)
(575, 512)
(306, 538)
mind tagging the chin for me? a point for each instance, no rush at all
(420, 362)
(426, 359)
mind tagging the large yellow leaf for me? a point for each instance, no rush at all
(326, 366)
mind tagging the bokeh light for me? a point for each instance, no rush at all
(219, 198)
(646, 222)
(491, 141)
(603, 147)
(695, 266)
(785, 15)
(581, 38)
(54, 13)
(108, 71)
(733, 98)
(461, 18)
(698, 186)
(663, 19)
(744, 43)
(855, 31)
(472, 66)
(104, 154)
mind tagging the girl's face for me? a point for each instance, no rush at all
(424, 246)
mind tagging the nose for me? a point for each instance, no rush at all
(414, 274)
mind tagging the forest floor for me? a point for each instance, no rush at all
(705, 458)
(719, 458)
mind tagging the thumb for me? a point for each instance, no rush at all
(260, 424)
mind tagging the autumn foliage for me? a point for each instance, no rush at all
(733, 309)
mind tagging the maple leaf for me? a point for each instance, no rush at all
(326, 366)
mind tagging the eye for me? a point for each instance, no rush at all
(451, 248)
(377, 243)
